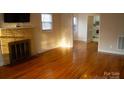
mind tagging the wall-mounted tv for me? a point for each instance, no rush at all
(16, 17)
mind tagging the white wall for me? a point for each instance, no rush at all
(45, 40)
(90, 28)
(111, 26)
(66, 30)
(82, 27)
(60, 35)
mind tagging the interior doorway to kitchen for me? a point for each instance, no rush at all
(94, 28)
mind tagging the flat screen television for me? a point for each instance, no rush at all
(16, 17)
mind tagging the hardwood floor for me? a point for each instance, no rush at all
(82, 61)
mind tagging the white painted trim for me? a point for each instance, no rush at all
(45, 50)
(109, 51)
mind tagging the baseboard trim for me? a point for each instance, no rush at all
(112, 52)
(45, 50)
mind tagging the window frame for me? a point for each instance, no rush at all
(47, 30)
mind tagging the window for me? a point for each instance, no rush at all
(46, 20)
(75, 23)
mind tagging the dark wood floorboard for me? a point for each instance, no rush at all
(80, 62)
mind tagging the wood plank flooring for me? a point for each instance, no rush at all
(80, 62)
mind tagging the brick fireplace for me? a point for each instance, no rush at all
(19, 50)
(15, 44)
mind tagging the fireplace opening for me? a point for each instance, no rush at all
(19, 50)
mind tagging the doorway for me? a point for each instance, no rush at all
(93, 28)
(96, 29)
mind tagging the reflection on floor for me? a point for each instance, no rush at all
(82, 61)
